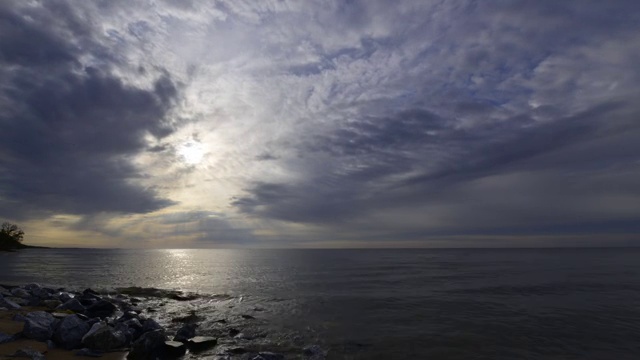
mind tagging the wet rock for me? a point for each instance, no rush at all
(102, 337)
(70, 331)
(4, 292)
(73, 305)
(19, 317)
(174, 349)
(248, 317)
(201, 343)
(149, 346)
(101, 309)
(51, 304)
(150, 325)
(129, 315)
(233, 332)
(28, 353)
(185, 333)
(88, 353)
(9, 304)
(51, 344)
(20, 292)
(39, 325)
(269, 356)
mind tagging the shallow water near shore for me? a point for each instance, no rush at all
(380, 304)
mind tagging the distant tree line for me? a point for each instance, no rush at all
(11, 237)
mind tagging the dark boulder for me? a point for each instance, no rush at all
(149, 346)
(20, 292)
(9, 304)
(73, 305)
(70, 331)
(39, 325)
(102, 337)
(174, 349)
(201, 343)
(186, 332)
(101, 309)
(150, 325)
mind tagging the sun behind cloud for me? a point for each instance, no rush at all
(192, 152)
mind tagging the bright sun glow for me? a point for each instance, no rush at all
(192, 152)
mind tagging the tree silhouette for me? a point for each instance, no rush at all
(11, 236)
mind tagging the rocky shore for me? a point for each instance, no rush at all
(38, 322)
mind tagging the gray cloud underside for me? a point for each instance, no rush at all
(477, 158)
(70, 124)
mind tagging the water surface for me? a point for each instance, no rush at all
(386, 304)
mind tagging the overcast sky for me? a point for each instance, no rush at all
(321, 123)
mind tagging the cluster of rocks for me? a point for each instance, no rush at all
(91, 324)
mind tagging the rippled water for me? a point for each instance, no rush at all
(387, 304)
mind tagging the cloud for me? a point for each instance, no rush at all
(343, 121)
(70, 128)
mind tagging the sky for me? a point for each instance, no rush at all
(196, 124)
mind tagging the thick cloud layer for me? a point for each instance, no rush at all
(315, 123)
(70, 124)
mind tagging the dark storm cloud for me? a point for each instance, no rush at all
(70, 128)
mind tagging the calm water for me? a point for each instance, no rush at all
(386, 304)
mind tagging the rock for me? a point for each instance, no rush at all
(189, 319)
(200, 343)
(101, 309)
(70, 331)
(149, 346)
(20, 292)
(38, 291)
(135, 328)
(39, 326)
(17, 300)
(73, 305)
(237, 350)
(19, 317)
(7, 303)
(104, 338)
(314, 352)
(89, 291)
(4, 292)
(150, 325)
(233, 332)
(186, 332)
(248, 317)
(174, 349)
(51, 304)
(64, 297)
(88, 353)
(128, 315)
(269, 356)
(28, 353)
(5, 338)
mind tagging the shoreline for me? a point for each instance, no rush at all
(45, 323)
